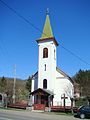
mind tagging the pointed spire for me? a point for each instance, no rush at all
(47, 31)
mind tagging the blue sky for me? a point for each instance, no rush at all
(70, 21)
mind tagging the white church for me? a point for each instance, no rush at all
(50, 85)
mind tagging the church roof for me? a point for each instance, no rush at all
(47, 31)
(64, 74)
(45, 39)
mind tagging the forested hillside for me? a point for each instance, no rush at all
(83, 79)
(6, 86)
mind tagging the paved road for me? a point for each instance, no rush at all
(27, 115)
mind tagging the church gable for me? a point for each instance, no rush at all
(58, 74)
(61, 74)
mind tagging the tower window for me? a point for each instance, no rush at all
(45, 53)
(44, 84)
(45, 67)
(54, 55)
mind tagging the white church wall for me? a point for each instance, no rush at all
(50, 62)
(58, 74)
(62, 86)
(36, 81)
(32, 85)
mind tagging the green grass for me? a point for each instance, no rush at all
(11, 109)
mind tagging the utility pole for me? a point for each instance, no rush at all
(14, 85)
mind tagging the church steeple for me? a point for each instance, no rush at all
(47, 31)
(47, 57)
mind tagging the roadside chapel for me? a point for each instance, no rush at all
(3, 100)
(50, 85)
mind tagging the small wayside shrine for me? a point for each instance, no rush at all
(50, 85)
(3, 100)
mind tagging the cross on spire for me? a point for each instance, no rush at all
(47, 11)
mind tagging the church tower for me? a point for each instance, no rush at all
(47, 57)
(50, 85)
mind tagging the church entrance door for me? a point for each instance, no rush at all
(41, 99)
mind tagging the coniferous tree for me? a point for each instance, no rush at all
(83, 79)
(3, 84)
(28, 84)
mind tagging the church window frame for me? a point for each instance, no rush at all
(54, 54)
(45, 84)
(45, 67)
(45, 52)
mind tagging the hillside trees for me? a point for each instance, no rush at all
(6, 86)
(21, 91)
(83, 79)
(28, 84)
(3, 85)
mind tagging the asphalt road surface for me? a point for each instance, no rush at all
(27, 115)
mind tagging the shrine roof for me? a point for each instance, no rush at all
(43, 91)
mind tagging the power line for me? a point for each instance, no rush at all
(22, 17)
(75, 55)
(30, 23)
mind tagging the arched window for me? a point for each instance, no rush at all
(44, 84)
(45, 53)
